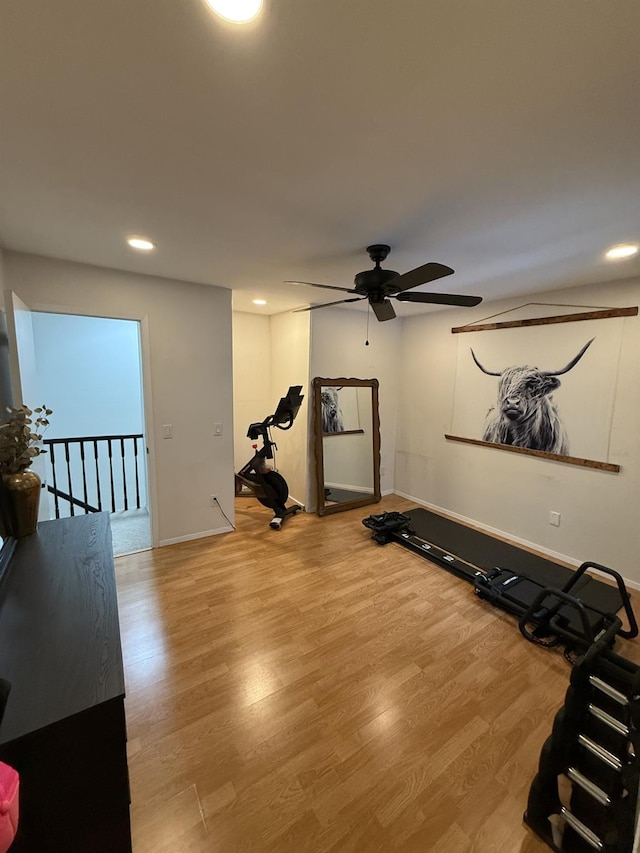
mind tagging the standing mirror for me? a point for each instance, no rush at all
(347, 443)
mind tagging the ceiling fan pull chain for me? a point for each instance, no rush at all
(366, 343)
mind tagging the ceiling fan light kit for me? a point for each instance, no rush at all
(379, 285)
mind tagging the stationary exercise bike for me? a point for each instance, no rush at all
(256, 477)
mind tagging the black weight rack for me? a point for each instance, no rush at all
(584, 797)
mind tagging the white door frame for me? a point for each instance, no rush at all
(147, 399)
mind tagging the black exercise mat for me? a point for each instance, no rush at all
(486, 552)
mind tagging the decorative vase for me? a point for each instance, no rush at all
(22, 492)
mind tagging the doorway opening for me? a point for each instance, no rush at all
(89, 372)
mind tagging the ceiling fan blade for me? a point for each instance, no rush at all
(420, 275)
(383, 310)
(327, 286)
(326, 304)
(440, 299)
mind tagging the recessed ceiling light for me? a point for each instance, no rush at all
(238, 11)
(259, 301)
(141, 243)
(624, 250)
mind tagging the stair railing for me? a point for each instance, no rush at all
(96, 472)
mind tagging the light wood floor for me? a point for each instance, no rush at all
(307, 691)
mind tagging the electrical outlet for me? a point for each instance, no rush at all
(213, 500)
(554, 518)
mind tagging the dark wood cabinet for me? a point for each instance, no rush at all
(64, 726)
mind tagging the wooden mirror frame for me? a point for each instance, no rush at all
(376, 495)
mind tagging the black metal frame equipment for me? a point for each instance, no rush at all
(547, 615)
(257, 478)
(584, 796)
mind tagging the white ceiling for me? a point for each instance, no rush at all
(500, 137)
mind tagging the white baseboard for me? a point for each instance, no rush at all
(203, 535)
(540, 549)
(365, 490)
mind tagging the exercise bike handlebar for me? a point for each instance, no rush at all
(283, 417)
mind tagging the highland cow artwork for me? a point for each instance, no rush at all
(547, 388)
(332, 418)
(340, 409)
(525, 414)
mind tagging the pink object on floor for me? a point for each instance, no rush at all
(9, 788)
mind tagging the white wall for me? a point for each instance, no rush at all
(297, 347)
(188, 377)
(90, 374)
(253, 398)
(269, 355)
(514, 493)
(102, 357)
(290, 366)
(338, 349)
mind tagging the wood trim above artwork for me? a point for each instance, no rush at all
(548, 321)
(554, 457)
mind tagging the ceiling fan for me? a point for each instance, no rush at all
(378, 285)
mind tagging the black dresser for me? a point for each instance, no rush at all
(64, 726)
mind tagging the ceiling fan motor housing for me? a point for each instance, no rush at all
(373, 283)
(375, 280)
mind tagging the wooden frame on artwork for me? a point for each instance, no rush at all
(526, 416)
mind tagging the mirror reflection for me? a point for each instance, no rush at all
(347, 441)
